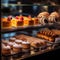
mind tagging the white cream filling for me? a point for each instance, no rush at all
(17, 46)
(13, 38)
(6, 47)
(18, 41)
(25, 43)
(10, 43)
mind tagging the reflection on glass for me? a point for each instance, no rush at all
(7, 35)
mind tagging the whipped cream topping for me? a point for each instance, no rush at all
(25, 42)
(18, 40)
(5, 41)
(13, 38)
(17, 46)
(6, 47)
(10, 43)
(2, 45)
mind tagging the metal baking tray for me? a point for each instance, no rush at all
(49, 45)
(32, 52)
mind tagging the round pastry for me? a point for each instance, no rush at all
(26, 45)
(6, 50)
(18, 41)
(5, 42)
(17, 48)
(43, 17)
(56, 14)
(11, 44)
(46, 14)
(12, 39)
(54, 17)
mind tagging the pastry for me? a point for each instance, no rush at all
(20, 23)
(11, 44)
(6, 23)
(17, 48)
(36, 21)
(31, 22)
(43, 14)
(43, 17)
(23, 39)
(35, 44)
(30, 41)
(57, 32)
(12, 39)
(26, 21)
(14, 22)
(54, 17)
(25, 45)
(6, 50)
(18, 41)
(45, 37)
(5, 42)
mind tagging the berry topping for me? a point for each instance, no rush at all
(17, 17)
(21, 18)
(9, 18)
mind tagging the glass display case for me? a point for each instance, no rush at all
(36, 24)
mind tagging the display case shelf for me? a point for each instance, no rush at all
(35, 55)
(6, 30)
(37, 4)
(25, 28)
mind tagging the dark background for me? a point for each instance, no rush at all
(29, 9)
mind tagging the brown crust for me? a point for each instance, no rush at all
(45, 37)
(33, 41)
